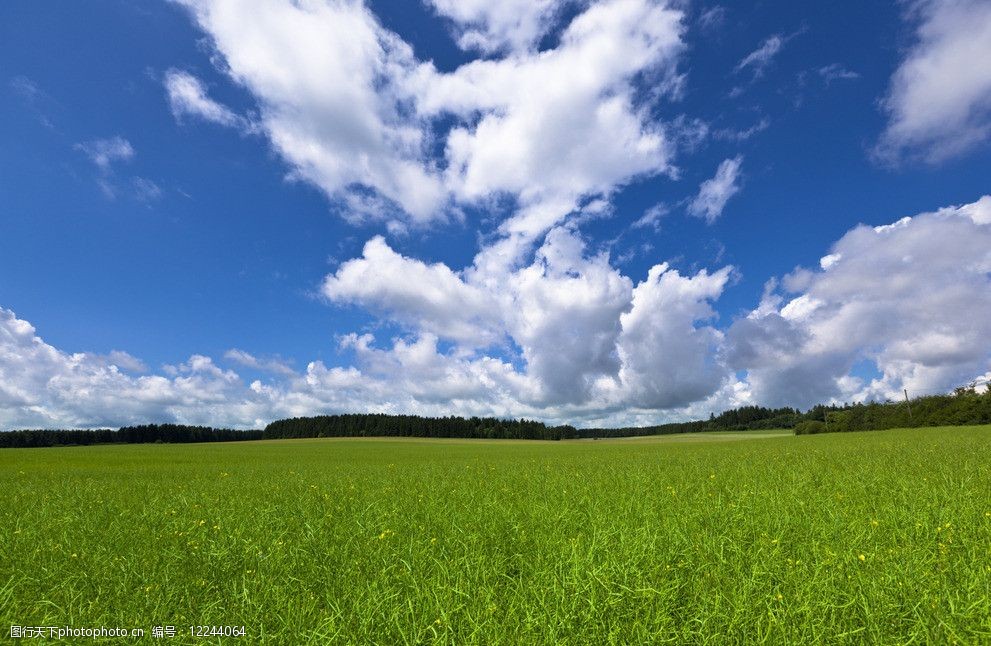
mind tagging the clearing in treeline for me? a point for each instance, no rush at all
(880, 537)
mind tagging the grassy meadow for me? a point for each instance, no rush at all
(881, 537)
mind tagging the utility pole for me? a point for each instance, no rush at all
(907, 403)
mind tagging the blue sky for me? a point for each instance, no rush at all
(615, 212)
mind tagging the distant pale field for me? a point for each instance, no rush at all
(880, 537)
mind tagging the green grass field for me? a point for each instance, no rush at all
(880, 537)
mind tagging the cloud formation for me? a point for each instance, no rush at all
(888, 295)
(188, 97)
(760, 58)
(421, 296)
(565, 109)
(248, 360)
(41, 386)
(345, 102)
(939, 100)
(490, 27)
(652, 217)
(569, 338)
(329, 82)
(104, 152)
(714, 193)
(836, 72)
(563, 314)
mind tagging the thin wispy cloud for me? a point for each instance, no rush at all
(836, 72)
(188, 97)
(146, 190)
(712, 18)
(738, 135)
(651, 219)
(758, 60)
(106, 152)
(272, 365)
(33, 98)
(714, 193)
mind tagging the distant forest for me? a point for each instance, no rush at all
(379, 425)
(964, 407)
(144, 434)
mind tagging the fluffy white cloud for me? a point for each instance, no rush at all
(939, 102)
(41, 386)
(563, 124)
(537, 325)
(587, 338)
(423, 376)
(329, 83)
(565, 318)
(561, 312)
(593, 346)
(979, 211)
(551, 130)
(892, 295)
(568, 338)
(668, 360)
(347, 104)
(422, 296)
(714, 193)
(516, 25)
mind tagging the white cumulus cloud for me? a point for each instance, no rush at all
(569, 338)
(939, 100)
(889, 295)
(42, 386)
(329, 81)
(425, 297)
(560, 125)
(352, 110)
(588, 336)
(515, 25)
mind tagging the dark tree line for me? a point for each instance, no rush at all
(643, 431)
(381, 425)
(747, 418)
(144, 434)
(752, 418)
(964, 407)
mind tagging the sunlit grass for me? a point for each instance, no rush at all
(881, 537)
